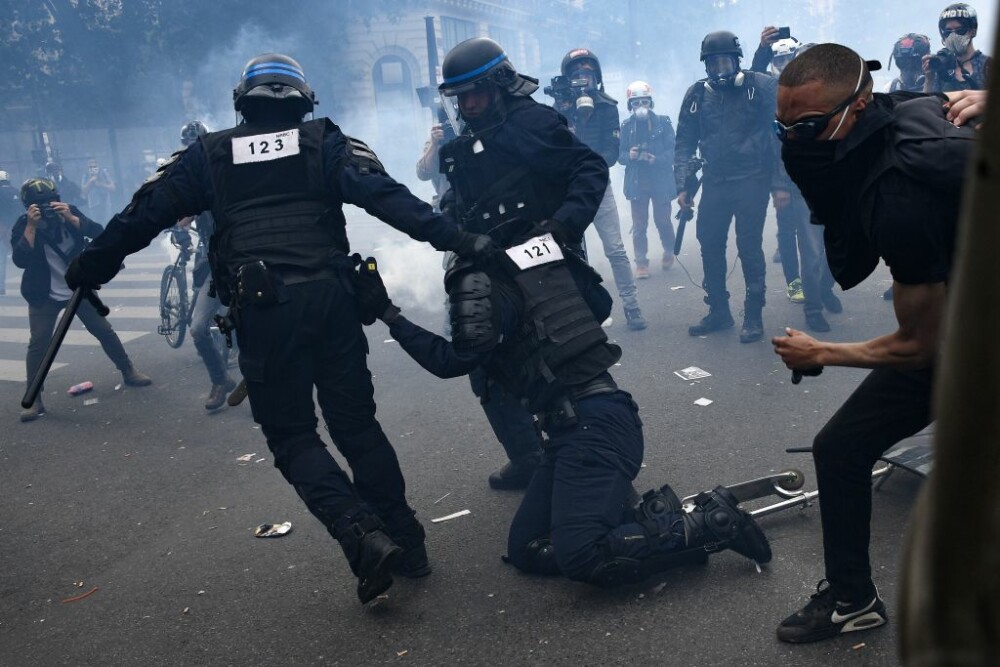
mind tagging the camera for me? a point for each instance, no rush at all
(560, 88)
(571, 93)
(943, 61)
(784, 33)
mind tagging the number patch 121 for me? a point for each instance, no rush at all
(535, 252)
(264, 147)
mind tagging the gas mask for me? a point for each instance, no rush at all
(957, 44)
(641, 113)
(721, 69)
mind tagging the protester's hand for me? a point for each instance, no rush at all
(925, 65)
(768, 36)
(633, 153)
(34, 215)
(437, 134)
(62, 208)
(682, 200)
(798, 350)
(648, 157)
(77, 276)
(965, 105)
(373, 299)
(781, 199)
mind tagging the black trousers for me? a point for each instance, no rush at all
(888, 406)
(313, 339)
(744, 200)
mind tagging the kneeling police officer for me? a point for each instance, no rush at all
(276, 186)
(531, 317)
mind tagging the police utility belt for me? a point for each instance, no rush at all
(260, 285)
(563, 415)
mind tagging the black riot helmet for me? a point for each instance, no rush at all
(274, 77)
(958, 11)
(480, 62)
(582, 57)
(38, 191)
(191, 131)
(721, 53)
(910, 48)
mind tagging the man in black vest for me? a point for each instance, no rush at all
(727, 118)
(531, 318)
(883, 174)
(276, 187)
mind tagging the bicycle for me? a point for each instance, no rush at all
(177, 306)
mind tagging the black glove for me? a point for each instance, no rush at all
(477, 247)
(560, 232)
(373, 299)
(77, 276)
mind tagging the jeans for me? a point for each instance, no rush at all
(788, 224)
(579, 494)
(746, 201)
(4, 249)
(610, 231)
(512, 424)
(888, 406)
(205, 309)
(312, 338)
(640, 223)
(814, 271)
(42, 322)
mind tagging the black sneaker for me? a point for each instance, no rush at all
(832, 303)
(824, 617)
(634, 319)
(816, 322)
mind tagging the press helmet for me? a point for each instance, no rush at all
(274, 76)
(191, 131)
(958, 11)
(782, 53)
(638, 90)
(480, 61)
(38, 191)
(576, 57)
(910, 46)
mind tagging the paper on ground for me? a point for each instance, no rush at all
(451, 516)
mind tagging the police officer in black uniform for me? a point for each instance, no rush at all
(276, 186)
(531, 317)
(727, 117)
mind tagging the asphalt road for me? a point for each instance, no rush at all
(141, 496)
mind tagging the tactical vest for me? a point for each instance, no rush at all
(271, 202)
(559, 342)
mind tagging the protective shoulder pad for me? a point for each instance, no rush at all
(363, 157)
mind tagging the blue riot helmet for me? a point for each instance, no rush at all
(482, 62)
(273, 77)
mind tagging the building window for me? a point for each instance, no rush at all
(507, 38)
(454, 31)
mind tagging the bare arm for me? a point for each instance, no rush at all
(919, 311)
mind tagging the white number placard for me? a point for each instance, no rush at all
(535, 252)
(264, 147)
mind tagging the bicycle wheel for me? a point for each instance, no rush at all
(173, 305)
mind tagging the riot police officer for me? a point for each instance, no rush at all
(531, 317)
(593, 118)
(727, 117)
(276, 186)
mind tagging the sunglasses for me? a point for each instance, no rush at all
(957, 31)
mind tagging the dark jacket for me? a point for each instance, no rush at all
(36, 281)
(897, 191)
(731, 127)
(656, 137)
(978, 79)
(600, 132)
(184, 186)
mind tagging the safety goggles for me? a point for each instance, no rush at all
(813, 126)
(642, 102)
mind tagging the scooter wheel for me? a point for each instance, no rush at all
(792, 480)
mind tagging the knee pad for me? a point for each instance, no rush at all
(538, 557)
(617, 572)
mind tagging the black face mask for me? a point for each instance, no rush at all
(831, 187)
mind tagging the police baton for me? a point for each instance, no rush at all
(65, 321)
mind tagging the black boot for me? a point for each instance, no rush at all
(516, 474)
(717, 523)
(719, 318)
(753, 325)
(662, 502)
(816, 322)
(370, 552)
(407, 532)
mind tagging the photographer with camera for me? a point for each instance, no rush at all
(45, 239)
(647, 149)
(908, 52)
(593, 118)
(959, 65)
(96, 190)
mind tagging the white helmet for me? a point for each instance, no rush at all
(638, 90)
(782, 53)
